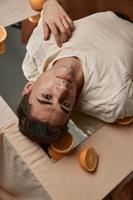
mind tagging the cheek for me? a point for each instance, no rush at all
(74, 91)
(73, 96)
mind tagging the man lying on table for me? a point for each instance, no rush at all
(92, 72)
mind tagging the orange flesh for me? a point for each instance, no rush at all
(55, 155)
(34, 19)
(91, 159)
(64, 143)
(2, 33)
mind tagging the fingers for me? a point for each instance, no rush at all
(47, 31)
(64, 29)
(57, 22)
(61, 28)
(56, 34)
(67, 27)
(68, 19)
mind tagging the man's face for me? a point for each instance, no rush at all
(53, 95)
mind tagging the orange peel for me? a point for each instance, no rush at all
(125, 121)
(63, 145)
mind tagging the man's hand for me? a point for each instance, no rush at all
(57, 21)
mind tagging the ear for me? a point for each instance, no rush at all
(27, 88)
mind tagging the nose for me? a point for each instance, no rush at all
(62, 89)
(63, 84)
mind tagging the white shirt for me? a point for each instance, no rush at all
(103, 43)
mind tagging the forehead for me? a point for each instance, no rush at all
(49, 113)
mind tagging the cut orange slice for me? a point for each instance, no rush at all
(2, 48)
(125, 121)
(63, 145)
(34, 19)
(88, 159)
(3, 33)
(55, 155)
(36, 4)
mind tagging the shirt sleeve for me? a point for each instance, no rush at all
(29, 68)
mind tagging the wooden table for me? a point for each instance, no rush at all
(13, 11)
(26, 172)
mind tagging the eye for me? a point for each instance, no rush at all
(47, 96)
(67, 105)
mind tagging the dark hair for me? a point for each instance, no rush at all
(33, 128)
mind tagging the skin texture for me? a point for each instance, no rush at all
(57, 22)
(53, 94)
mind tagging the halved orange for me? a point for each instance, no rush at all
(36, 4)
(88, 159)
(34, 19)
(125, 121)
(3, 34)
(63, 145)
(54, 154)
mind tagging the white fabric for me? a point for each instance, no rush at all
(104, 44)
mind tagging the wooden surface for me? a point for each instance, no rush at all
(27, 28)
(12, 11)
(78, 8)
(65, 179)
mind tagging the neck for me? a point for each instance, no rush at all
(75, 64)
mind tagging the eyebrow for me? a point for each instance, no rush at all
(50, 103)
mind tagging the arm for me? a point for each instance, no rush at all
(57, 21)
